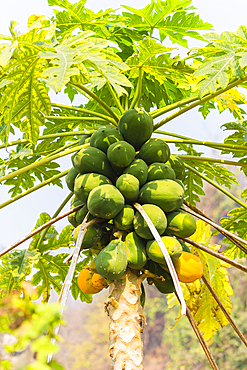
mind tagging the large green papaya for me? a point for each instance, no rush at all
(105, 201)
(104, 137)
(180, 223)
(136, 126)
(159, 171)
(139, 169)
(154, 150)
(92, 235)
(86, 182)
(91, 159)
(166, 194)
(172, 245)
(124, 219)
(121, 154)
(70, 178)
(156, 215)
(177, 165)
(128, 185)
(111, 262)
(136, 254)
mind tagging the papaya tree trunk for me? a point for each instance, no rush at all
(127, 322)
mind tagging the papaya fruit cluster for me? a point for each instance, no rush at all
(122, 166)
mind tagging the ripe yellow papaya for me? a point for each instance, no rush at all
(189, 267)
(90, 282)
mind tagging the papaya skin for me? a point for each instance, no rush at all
(189, 268)
(90, 282)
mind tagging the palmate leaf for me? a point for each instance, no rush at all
(232, 100)
(235, 222)
(26, 180)
(14, 267)
(159, 15)
(77, 16)
(26, 97)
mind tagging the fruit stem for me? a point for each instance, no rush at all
(137, 95)
(214, 160)
(98, 100)
(77, 109)
(62, 205)
(34, 188)
(158, 112)
(115, 98)
(75, 118)
(41, 162)
(215, 185)
(199, 102)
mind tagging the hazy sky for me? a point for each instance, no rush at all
(18, 219)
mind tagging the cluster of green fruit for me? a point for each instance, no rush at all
(122, 166)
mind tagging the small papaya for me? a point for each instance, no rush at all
(156, 215)
(70, 178)
(124, 219)
(104, 137)
(154, 150)
(139, 169)
(136, 254)
(172, 245)
(159, 171)
(121, 154)
(86, 182)
(92, 235)
(177, 165)
(128, 185)
(180, 223)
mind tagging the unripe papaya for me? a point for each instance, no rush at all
(166, 194)
(156, 215)
(70, 178)
(136, 126)
(136, 254)
(154, 150)
(172, 245)
(81, 214)
(124, 219)
(128, 185)
(92, 235)
(105, 201)
(112, 261)
(177, 165)
(159, 171)
(86, 182)
(180, 223)
(139, 169)
(104, 137)
(72, 217)
(91, 159)
(121, 154)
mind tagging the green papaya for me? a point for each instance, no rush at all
(86, 182)
(177, 165)
(92, 235)
(111, 262)
(166, 194)
(105, 201)
(128, 185)
(104, 137)
(172, 245)
(72, 217)
(121, 154)
(124, 219)
(81, 214)
(136, 126)
(70, 178)
(91, 159)
(159, 171)
(156, 215)
(154, 150)
(165, 286)
(135, 247)
(180, 223)
(85, 139)
(184, 246)
(139, 169)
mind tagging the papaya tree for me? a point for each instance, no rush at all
(133, 204)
